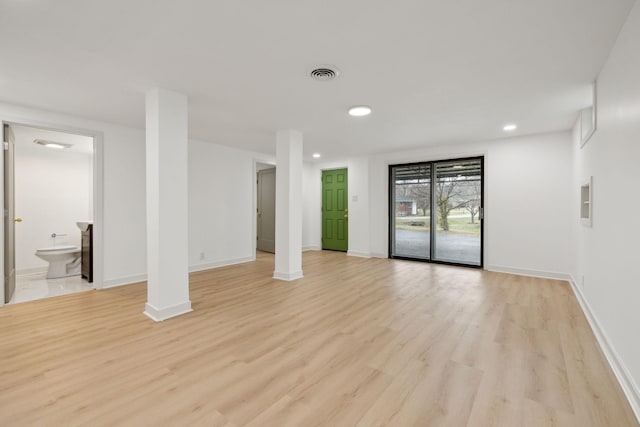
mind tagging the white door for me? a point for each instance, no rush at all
(9, 216)
(266, 210)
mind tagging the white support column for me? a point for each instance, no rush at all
(167, 228)
(288, 205)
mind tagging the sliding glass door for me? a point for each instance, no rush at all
(436, 211)
(411, 206)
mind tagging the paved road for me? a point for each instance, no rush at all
(452, 247)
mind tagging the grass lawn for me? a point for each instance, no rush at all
(456, 225)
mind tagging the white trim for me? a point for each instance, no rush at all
(379, 255)
(359, 254)
(160, 314)
(527, 272)
(254, 199)
(288, 276)
(137, 278)
(311, 248)
(30, 271)
(125, 280)
(217, 264)
(629, 387)
(98, 210)
(332, 167)
(2, 290)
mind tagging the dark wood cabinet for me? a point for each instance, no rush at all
(87, 254)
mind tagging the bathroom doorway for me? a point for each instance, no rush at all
(49, 202)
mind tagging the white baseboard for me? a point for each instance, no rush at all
(160, 314)
(288, 276)
(125, 280)
(223, 263)
(137, 278)
(379, 255)
(34, 270)
(629, 387)
(526, 272)
(359, 254)
(311, 248)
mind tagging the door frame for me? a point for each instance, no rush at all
(322, 170)
(259, 200)
(254, 203)
(391, 210)
(9, 220)
(98, 187)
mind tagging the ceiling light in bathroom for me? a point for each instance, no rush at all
(52, 144)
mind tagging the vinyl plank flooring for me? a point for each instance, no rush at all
(366, 342)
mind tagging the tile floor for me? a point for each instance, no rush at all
(30, 287)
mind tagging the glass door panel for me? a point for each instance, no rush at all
(458, 210)
(410, 211)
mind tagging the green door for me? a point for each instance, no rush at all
(334, 210)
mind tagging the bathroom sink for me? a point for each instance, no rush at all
(83, 225)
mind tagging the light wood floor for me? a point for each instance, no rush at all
(365, 342)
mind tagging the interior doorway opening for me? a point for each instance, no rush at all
(49, 205)
(266, 208)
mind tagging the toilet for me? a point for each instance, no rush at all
(63, 260)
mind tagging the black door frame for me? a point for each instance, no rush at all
(432, 224)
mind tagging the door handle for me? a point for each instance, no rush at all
(17, 220)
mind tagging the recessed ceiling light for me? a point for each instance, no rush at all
(316, 155)
(359, 111)
(52, 144)
(510, 127)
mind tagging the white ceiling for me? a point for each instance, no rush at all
(434, 71)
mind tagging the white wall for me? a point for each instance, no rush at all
(222, 198)
(359, 241)
(358, 204)
(527, 201)
(312, 199)
(607, 253)
(123, 192)
(53, 190)
(311, 214)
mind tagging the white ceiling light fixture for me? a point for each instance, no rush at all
(316, 155)
(52, 144)
(510, 127)
(360, 110)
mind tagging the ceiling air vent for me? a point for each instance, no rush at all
(325, 73)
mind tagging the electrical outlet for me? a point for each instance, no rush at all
(201, 255)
